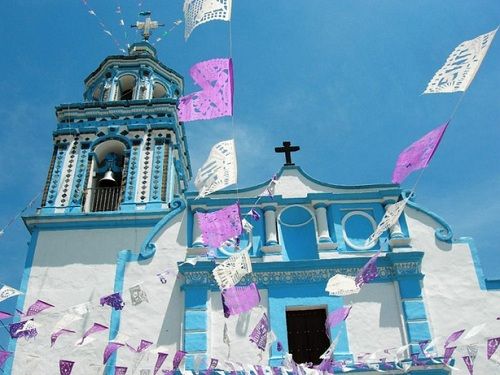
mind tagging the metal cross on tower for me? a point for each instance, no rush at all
(287, 149)
(147, 26)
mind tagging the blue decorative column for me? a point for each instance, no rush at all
(155, 189)
(195, 323)
(128, 203)
(79, 182)
(53, 186)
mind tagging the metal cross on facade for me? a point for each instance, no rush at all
(147, 26)
(287, 149)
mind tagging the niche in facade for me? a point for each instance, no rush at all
(298, 233)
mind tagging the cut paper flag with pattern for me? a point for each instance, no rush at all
(219, 170)
(231, 271)
(138, 295)
(418, 154)
(96, 327)
(109, 350)
(240, 299)
(461, 66)
(65, 367)
(26, 329)
(55, 335)
(219, 226)
(492, 346)
(448, 352)
(197, 12)
(453, 337)
(38, 307)
(342, 285)
(7, 292)
(120, 370)
(114, 300)
(368, 272)
(215, 77)
(178, 357)
(469, 364)
(159, 361)
(336, 317)
(391, 217)
(259, 333)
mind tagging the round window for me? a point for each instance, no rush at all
(357, 226)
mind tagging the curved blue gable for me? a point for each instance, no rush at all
(443, 233)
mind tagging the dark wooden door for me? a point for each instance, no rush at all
(307, 338)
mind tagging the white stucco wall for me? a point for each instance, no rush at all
(375, 321)
(160, 320)
(72, 267)
(452, 295)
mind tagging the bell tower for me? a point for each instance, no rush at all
(122, 148)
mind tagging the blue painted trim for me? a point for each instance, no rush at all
(123, 258)
(126, 256)
(108, 219)
(483, 282)
(443, 233)
(21, 299)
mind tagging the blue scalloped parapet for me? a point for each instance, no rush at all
(443, 233)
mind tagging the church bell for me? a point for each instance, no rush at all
(108, 179)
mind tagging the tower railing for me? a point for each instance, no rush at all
(104, 198)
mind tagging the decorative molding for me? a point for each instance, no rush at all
(391, 267)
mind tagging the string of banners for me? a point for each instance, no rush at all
(238, 299)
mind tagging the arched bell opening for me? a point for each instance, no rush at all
(126, 87)
(105, 189)
(159, 91)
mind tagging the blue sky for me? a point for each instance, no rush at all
(340, 78)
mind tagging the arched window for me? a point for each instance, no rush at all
(125, 87)
(159, 91)
(104, 192)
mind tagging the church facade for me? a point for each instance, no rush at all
(116, 217)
